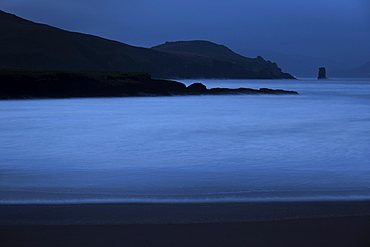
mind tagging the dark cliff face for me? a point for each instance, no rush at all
(25, 44)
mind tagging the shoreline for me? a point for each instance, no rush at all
(41, 83)
(340, 231)
(176, 213)
(337, 223)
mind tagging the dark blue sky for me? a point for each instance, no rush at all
(333, 29)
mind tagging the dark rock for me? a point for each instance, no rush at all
(225, 91)
(28, 83)
(200, 89)
(322, 73)
(197, 88)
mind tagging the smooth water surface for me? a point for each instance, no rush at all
(311, 146)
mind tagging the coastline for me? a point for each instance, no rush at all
(176, 213)
(48, 84)
(314, 223)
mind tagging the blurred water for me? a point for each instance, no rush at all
(190, 148)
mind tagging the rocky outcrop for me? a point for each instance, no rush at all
(197, 88)
(226, 91)
(322, 73)
(27, 83)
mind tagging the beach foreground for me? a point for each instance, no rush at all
(336, 223)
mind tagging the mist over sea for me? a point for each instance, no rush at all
(312, 146)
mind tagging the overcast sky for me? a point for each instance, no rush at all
(333, 29)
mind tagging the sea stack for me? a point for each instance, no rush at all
(322, 73)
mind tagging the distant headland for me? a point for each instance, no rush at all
(33, 83)
(26, 44)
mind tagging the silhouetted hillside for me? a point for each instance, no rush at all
(297, 65)
(257, 66)
(200, 47)
(25, 44)
(362, 71)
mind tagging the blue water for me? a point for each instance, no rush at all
(312, 146)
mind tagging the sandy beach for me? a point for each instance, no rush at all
(337, 223)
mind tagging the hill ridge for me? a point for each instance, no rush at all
(27, 44)
(203, 47)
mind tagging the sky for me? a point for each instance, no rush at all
(333, 29)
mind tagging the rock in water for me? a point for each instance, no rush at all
(197, 88)
(322, 73)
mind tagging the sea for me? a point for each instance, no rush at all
(186, 149)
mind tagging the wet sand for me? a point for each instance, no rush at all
(338, 223)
